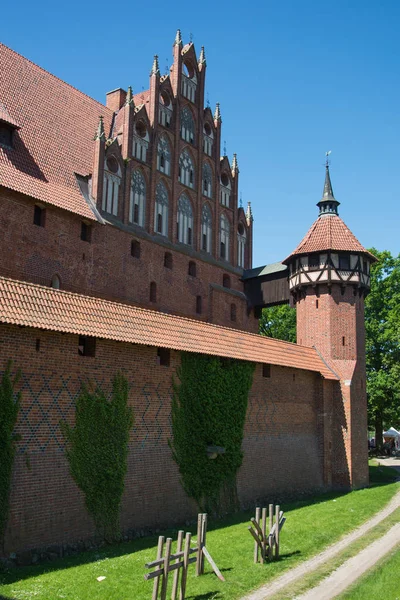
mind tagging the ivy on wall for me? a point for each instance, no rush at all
(97, 451)
(209, 411)
(9, 407)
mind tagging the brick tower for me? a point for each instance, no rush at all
(329, 279)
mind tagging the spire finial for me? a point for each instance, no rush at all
(328, 205)
(202, 57)
(217, 114)
(178, 38)
(225, 148)
(100, 134)
(249, 214)
(155, 69)
(235, 167)
(129, 97)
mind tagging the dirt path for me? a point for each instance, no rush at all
(351, 570)
(268, 590)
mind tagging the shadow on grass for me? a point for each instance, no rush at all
(379, 475)
(208, 596)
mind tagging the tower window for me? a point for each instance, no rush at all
(86, 346)
(198, 305)
(153, 291)
(313, 262)
(39, 216)
(226, 281)
(192, 268)
(344, 262)
(168, 260)
(233, 312)
(55, 282)
(163, 357)
(135, 249)
(86, 232)
(266, 370)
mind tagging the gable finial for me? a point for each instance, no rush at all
(235, 167)
(217, 114)
(100, 133)
(249, 214)
(178, 38)
(129, 97)
(155, 69)
(202, 57)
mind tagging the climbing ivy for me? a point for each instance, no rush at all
(209, 410)
(9, 407)
(97, 450)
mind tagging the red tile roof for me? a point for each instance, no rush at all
(328, 233)
(5, 117)
(55, 141)
(41, 307)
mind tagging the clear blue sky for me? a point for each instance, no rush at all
(294, 78)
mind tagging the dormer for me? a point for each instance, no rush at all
(8, 126)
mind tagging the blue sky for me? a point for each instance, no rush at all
(294, 78)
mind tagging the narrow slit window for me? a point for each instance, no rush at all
(266, 370)
(233, 312)
(343, 341)
(135, 249)
(86, 232)
(192, 268)
(198, 305)
(153, 291)
(163, 357)
(168, 260)
(39, 216)
(86, 346)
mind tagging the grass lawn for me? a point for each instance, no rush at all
(311, 526)
(382, 582)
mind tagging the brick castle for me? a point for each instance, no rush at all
(122, 245)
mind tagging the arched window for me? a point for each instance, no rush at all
(185, 220)
(163, 155)
(189, 81)
(140, 141)
(207, 180)
(187, 125)
(186, 169)
(241, 238)
(208, 139)
(161, 209)
(165, 109)
(112, 181)
(224, 238)
(206, 229)
(55, 282)
(225, 192)
(137, 202)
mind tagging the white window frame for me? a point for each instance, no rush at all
(186, 173)
(206, 229)
(137, 198)
(185, 220)
(161, 209)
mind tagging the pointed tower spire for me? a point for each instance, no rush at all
(328, 205)
(202, 57)
(249, 214)
(217, 114)
(155, 69)
(235, 168)
(100, 133)
(178, 38)
(129, 97)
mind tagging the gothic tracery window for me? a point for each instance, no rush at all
(137, 202)
(208, 139)
(241, 239)
(189, 81)
(187, 125)
(207, 180)
(140, 141)
(225, 191)
(185, 220)
(164, 155)
(206, 229)
(111, 184)
(161, 209)
(224, 233)
(186, 169)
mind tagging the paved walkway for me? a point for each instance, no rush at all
(268, 590)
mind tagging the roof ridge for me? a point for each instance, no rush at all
(103, 106)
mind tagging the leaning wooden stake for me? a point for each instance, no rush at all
(270, 536)
(159, 556)
(203, 541)
(199, 529)
(185, 566)
(176, 574)
(166, 569)
(264, 535)
(256, 546)
(277, 515)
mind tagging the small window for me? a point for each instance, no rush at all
(168, 260)
(37, 344)
(313, 262)
(365, 267)
(135, 249)
(226, 281)
(163, 356)
(344, 262)
(86, 346)
(39, 216)
(266, 370)
(55, 282)
(199, 304)
(153, 291)
(343, 341)
(233, 312)
(86, 232)
(192, 268)
(316, 304)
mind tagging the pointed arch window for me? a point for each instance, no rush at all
(187, 125)
(225, 191)
(137, 201)
(165, 109)
(140, 141)
(241, 239)
(185, 220)
(208, 139)
(164, 155)
(206, 229)
(224, 233)
(186, 169)
(111, 185)
(189, 81)
(161, 209)
(207, 180)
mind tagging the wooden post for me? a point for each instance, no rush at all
(176, 574)
(203, 540)
(255, 543)
(185, 566)
(264, 533)
(165, 568)
(159, 555)
(271, 524)
(277, 531)
(199, 533)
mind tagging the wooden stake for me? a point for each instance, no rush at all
(271, 524)
(199, 554)
(185, 566)
(159, 555)
(164, 584)
(255, 544)
(264, 534)
(277, 532)
(176, 574)
(203, 540)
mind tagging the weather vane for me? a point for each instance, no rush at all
(327, 157)
(191, 37)
(208, 100)
(224, 148)
(166, 66)
(241, 200)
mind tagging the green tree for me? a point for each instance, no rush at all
(279, 322)
(382, 322)
(97, 451)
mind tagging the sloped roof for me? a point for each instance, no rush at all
(55, 141)
(270, 269)
(328, 232)
(6, 118)
(41, 307)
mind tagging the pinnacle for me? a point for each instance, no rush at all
(129, 97)
(217, 114)
(202, 57)
(155, 69)
(235, 167)
(100, 134)
(178, 38)
(249, 213)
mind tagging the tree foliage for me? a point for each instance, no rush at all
(279, 322)
(9, 407)
(382, 322)
(209, 410)
(97, 450)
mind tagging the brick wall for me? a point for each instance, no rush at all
(283, 449)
